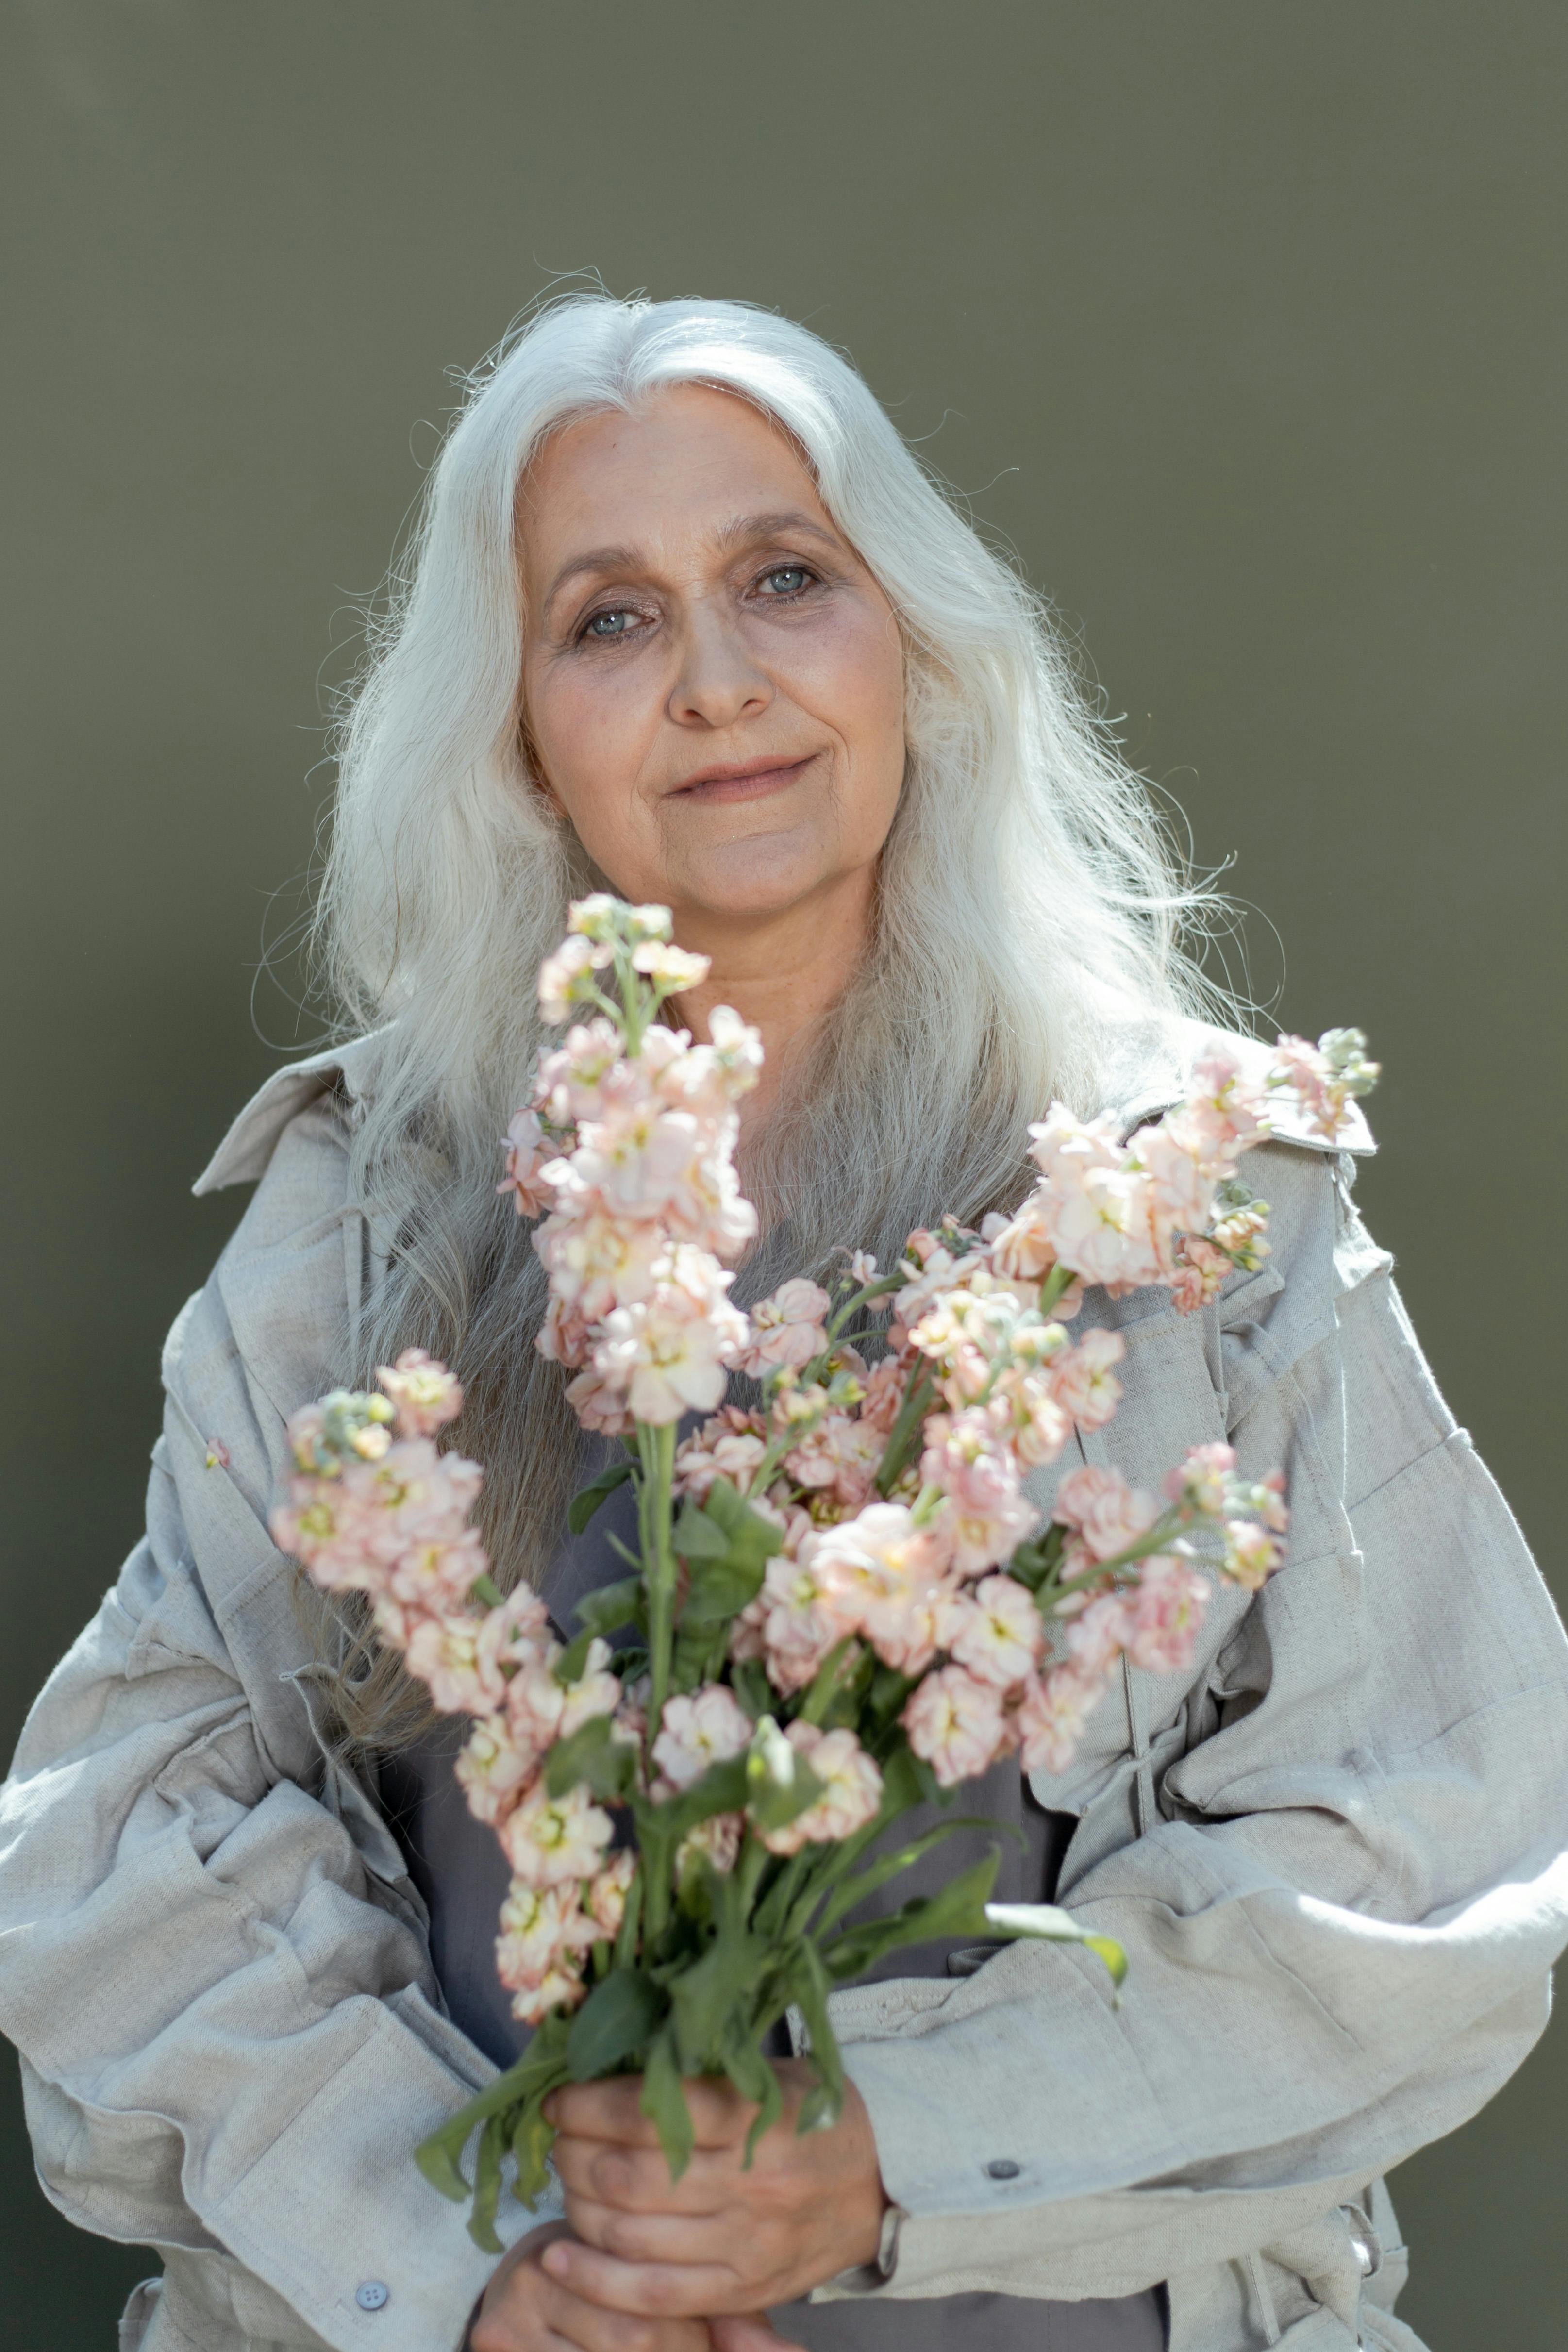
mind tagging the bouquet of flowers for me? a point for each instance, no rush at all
(841, 1603)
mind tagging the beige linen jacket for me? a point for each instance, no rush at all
(1334, 1853)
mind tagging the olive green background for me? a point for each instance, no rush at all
(1242, 323)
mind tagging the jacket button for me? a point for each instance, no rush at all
(1002, 2168)
(371, 2295)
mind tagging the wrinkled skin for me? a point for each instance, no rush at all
(693, 611)
(645, 2264)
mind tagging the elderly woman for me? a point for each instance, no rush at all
(686, 619)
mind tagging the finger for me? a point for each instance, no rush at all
(750, 2331)
(571, 2320)
(659, 2290)
(703, 2238)
(611, 2111)
(639, 2177)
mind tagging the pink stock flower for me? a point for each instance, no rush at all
(608, 1891)
(542, 1927)
(716, 1841)
(1109, 1515)
(596, 1261)
(1251, 1554)
(511, 1635)
(798, 1626)
(849, 1800)
(563, 1335)
(559, 1988)
(1050, 1722)
(986, 1515)
(1083, 1381)
(598, 1405)
(730, 1445)
(877, 1572)
(1199, 1272)
(1202, 1484)
(492, 1768)
(670, 967)
(668, 1354)
(955, 1724)
(526, 1154)
(1165, 1608)
(443, 1654)
(572, 1079)
(543, 1709)
(566, 978)
(1025, 1405)
(1224, 1112)
(838, 1458)
(711, 1726)
(549, 1839)
(434, 1579)
(787, 1329)
(423, 1393)
(998, 1634)
(1099, 1633)
(885, 1385)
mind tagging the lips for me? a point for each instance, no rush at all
(744, 779)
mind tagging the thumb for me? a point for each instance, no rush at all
(753, 2332)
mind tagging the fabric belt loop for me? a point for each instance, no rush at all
(1139, 1733)
(1262, 2289)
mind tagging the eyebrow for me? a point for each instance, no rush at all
(734, 533)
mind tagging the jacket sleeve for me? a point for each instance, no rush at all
(210, 1958)
(1342, 1911)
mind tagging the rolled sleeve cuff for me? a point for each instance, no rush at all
(338, 2219)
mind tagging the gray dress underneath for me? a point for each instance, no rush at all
(461, 1871)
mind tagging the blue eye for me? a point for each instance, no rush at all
(607, 625)
(786, 579)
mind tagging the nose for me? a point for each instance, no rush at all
(718, 681)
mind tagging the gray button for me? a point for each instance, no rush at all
(372, 2294)
(1002, 2168)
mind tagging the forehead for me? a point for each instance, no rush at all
(676, 468)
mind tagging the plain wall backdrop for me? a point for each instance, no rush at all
(1240, 322)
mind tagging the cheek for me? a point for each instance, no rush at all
(591, 739)
(858, 689)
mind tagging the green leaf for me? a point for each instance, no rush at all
(704, 1998)
(721, 1790)
(613, 1606)
(956, 1909)
(439, 2158)
(823, 2103)
(696, 1536)
(749, 1680)
(853, 1890)
(595, 1757)
(719, 1589)
(754, 2079)
(663, 2101)
(586, 1502)
(532, 2140)
(825, 1682)
(751, 1538)
(487, 2186)
(619, 2015)
(1050, 1925)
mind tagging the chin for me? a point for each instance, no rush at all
(756, 879)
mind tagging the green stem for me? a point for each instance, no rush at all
(657, 1447)
(905, 1432)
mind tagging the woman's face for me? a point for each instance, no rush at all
(713, 682)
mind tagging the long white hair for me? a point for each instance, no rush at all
(1030, 915)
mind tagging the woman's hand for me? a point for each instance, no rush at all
(525, 2310)
(719, 2239)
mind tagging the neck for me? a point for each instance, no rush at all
(781, 972)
